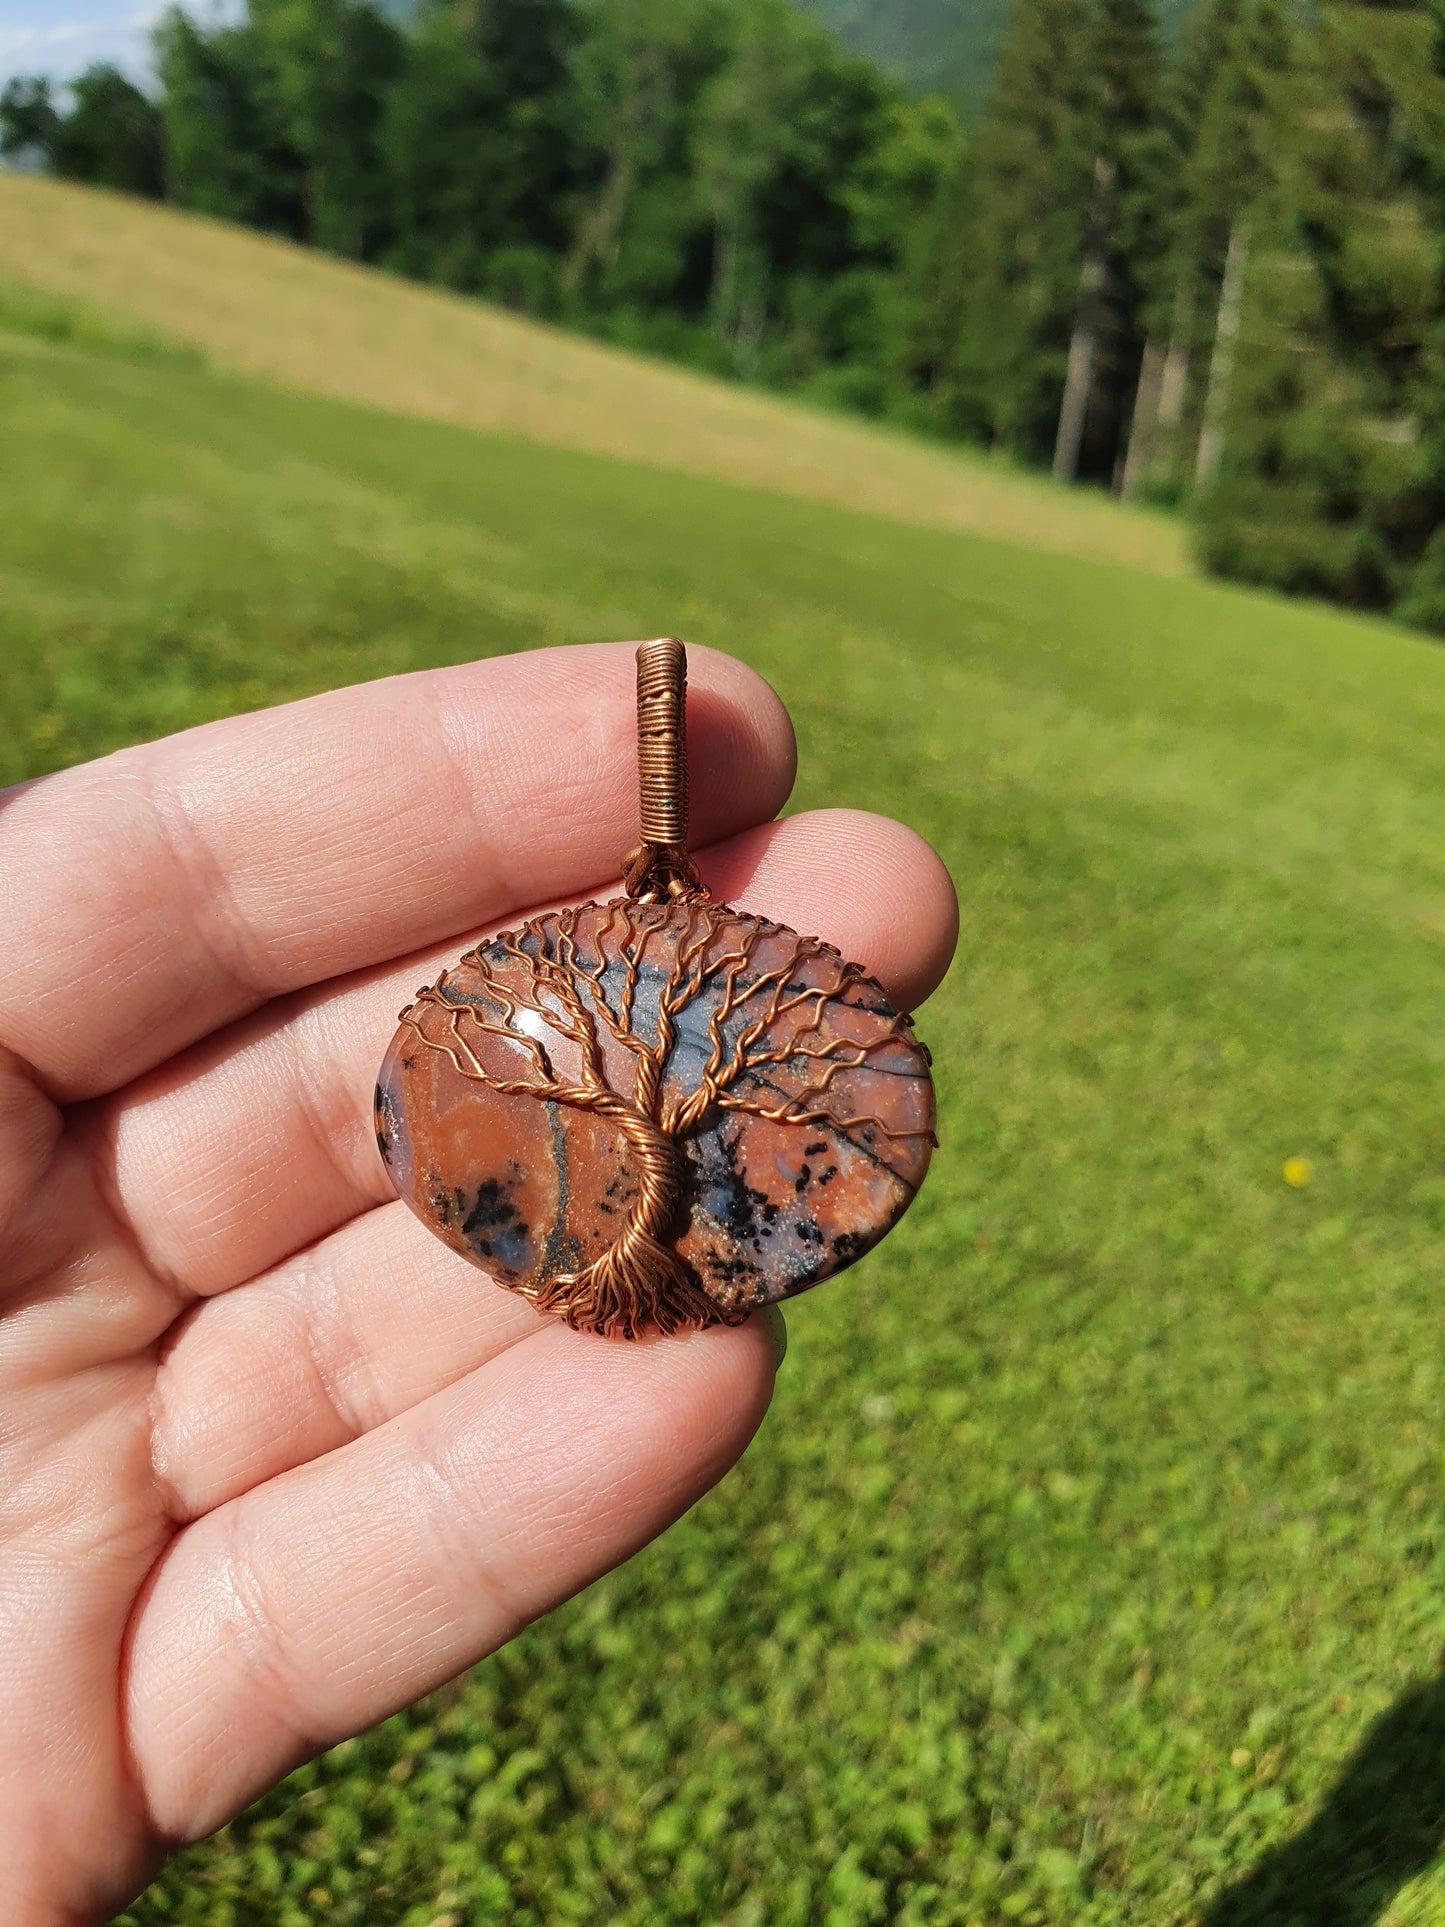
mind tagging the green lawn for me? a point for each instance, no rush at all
(1088, 1568)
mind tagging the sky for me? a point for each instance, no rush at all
(62, 37)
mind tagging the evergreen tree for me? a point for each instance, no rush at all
(1329, 480)
(1228, 280)
(1240, 134)
(781, 133)
(333, 62)
(912, 207)
(637, 69)
(228, 147)
(29, 122)
(1226, 127)
(1032, 170)
(479, 146)
(1122, 240)
(1168, 365)
(112, 134)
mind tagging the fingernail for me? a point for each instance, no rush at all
(777, 1332)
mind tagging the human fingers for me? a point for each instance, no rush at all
(322, 1601)
(151, 896)
(321, 1349)
(378, 1315)
(260, 1140)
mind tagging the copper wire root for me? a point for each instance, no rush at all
(637, 1284)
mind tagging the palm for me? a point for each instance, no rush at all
(273, 1462)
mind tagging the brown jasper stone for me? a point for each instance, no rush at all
(655, 1115)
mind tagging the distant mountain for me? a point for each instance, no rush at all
(933, 46)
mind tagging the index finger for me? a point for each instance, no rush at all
(164, 890)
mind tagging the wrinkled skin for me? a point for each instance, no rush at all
(273, 1462)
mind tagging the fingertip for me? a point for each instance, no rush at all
(695, 1398)
(866, 883)
(736, 1367)
(741, 745)
(772, 1319)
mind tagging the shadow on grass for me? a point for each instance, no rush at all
(1383, 1824)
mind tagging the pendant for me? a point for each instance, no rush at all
(658, 1112)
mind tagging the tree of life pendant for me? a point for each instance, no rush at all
(658, 1112)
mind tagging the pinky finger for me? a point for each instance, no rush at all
(317, 1604)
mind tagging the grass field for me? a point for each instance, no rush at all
(265, 308)
(1088, 1568)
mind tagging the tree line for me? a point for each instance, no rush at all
(1207, 269)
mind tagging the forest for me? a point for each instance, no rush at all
(1202, 266)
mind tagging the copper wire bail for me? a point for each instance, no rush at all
(660, 866)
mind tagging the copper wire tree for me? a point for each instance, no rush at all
(587, 1008)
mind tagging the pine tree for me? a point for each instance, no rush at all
(334, 61)
(912, 213)
(780, 136)
(112, 135)
(636, 68)
(480, 146)
(1121, 240)
(1168, 365)
(29, 121)
(228, 146)
(1329, 481)
(1032, 173)
(747, 130)
(1228, 128)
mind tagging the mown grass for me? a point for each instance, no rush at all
(1088, 1568)
(264, 307)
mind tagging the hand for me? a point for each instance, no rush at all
(274, 1462)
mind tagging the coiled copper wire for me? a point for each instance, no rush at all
(662, 866)
(662, 740)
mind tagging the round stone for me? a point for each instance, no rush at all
(646, 1116)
